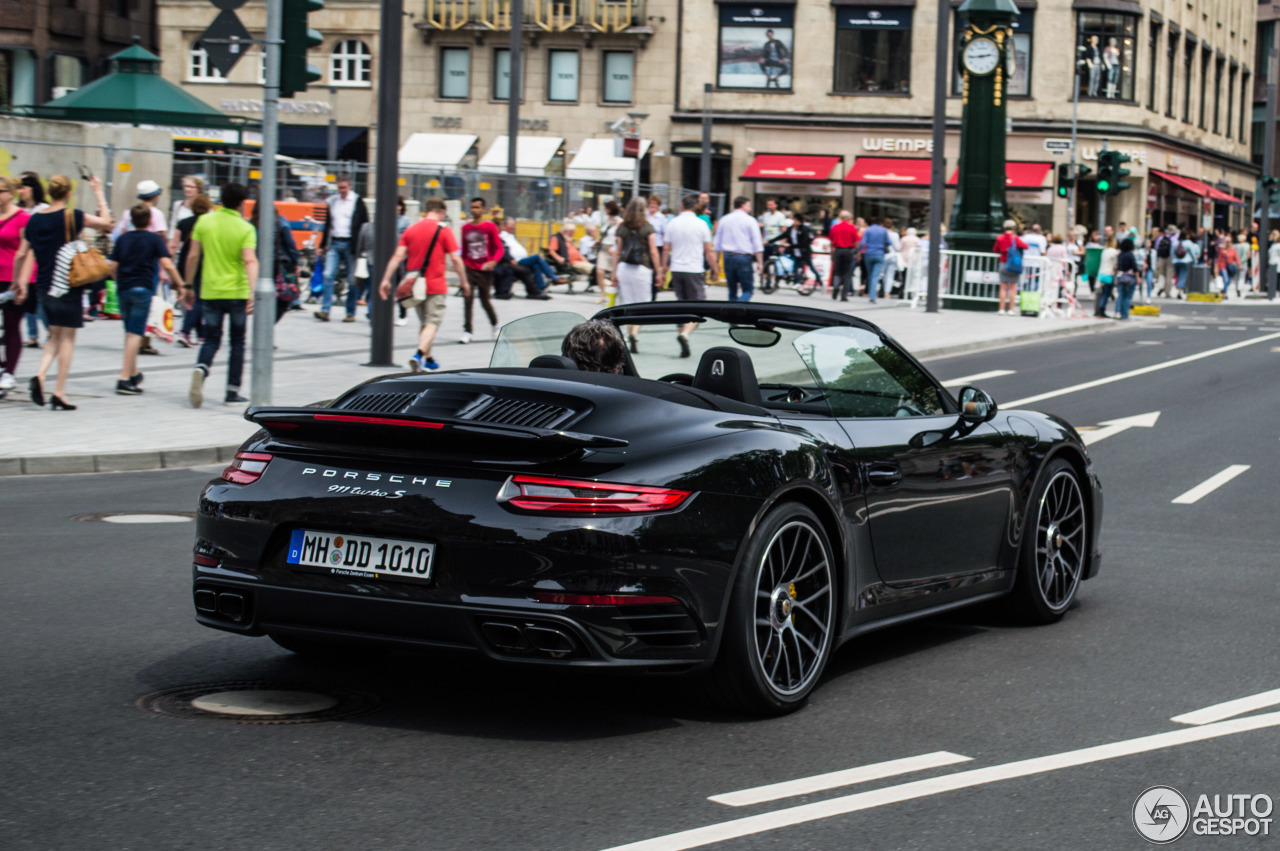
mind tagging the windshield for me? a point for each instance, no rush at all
(840, 371)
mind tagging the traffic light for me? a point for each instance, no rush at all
(1110, 173)
(1065, 180)
(295, 72)
(1271, 188)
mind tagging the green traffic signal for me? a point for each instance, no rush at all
(1117, 161)
(295, 72)
(1104, 185)
(1105, 168)
(1065, 180)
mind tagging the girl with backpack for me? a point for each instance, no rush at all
(1185, 252)
(1010, 247)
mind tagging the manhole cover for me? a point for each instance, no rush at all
(260, 702)
(130, 517)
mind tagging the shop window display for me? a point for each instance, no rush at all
(1108, 40)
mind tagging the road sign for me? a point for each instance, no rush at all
(1057, 144)
(1152, 198)
(220, 41)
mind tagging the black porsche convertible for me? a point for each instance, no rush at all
(734, 515)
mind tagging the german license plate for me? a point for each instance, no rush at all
(355, 555)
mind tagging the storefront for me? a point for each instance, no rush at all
(800, 184)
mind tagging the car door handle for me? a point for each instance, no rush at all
(883, 475)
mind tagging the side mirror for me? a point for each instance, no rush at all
(976, 406)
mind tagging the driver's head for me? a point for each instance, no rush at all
(596, 346)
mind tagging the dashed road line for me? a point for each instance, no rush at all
(1193, 327)
(977, 376)
(836, 779)
(805, 813)
(1210, 485)
(1230, 709)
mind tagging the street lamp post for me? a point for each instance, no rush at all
(937, 186)
(704, 161)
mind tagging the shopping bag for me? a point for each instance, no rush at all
(160, 319)
(1029, 301)
(317, 276)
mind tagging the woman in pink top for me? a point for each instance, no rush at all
(12, 220)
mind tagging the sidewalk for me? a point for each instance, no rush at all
(317, 360)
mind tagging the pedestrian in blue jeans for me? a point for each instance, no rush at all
(875, 244)
(347, 214)
(1126, 278)
(136, 260)
(740, 247)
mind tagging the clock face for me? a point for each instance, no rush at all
(981, 56)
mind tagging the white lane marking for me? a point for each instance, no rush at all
(1110, 379)
(1210, 485)
(804, 813)
(978, 376)
(1113, 427)
(836, 779)
(1230, 709)
(1193, 327)
(146, 518)
(1233, 328)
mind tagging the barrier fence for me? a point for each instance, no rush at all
(972, 278)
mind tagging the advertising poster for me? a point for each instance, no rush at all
(756, 45)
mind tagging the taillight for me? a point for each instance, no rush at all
(383, 421)
(602, 599)
(575, 496)
(205, 561)
(247, 467)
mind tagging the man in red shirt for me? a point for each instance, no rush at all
(844, 242)
(481, 248)
(415, 243)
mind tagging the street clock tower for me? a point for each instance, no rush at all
(986, 63)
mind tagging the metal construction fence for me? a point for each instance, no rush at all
(541, 198)
(973, 277)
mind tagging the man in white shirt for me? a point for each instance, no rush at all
(687, 249)
(773, 221)
(346, 215)
(1037, 245)
(737, 241)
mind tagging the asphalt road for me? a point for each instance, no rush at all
(469, 756)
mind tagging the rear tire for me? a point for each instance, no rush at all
(1054, 547)
(781, 623)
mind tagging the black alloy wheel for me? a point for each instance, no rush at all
(781, 625)
(1054, 549)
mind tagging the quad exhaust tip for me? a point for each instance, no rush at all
(524, 638)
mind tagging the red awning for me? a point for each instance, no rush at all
(1017, 175)
(1197, 187)
(790, 168)
(889, 171)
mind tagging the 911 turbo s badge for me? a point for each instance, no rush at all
(361, 477)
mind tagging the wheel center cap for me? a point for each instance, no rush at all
(1053, 539)
(780, 611)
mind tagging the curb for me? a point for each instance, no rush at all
(1030, 337)
(116, 462)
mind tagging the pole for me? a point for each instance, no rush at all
(513, 102)
(332, 147)
(264, 292)
(1268, 164)
(1102, 203)
(108, 178)
(704, 161)
(1071, 190)
(937, 187)
(387, 177)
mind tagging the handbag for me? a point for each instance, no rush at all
(413, 289)
(286, 286)
(160, 319)
(1013, 261)
(362, 267)
(88, 266)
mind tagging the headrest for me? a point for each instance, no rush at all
(552, 362)
(727, 371)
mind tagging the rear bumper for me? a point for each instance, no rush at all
(519, 631)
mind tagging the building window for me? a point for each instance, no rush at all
(1109, 40)
(619, 73)
(1205, 55)
(1188, 68)
(873, 50)
(1231, 99)
(1019, 83)
(1153, 44)
(502, 74)
(1244, 99)
(350, 63)
(755, 47)
(1217, 95)
(199, 69)
(17, 77)
(1262, 50)
(455, 72)
(1169, 78)
(562, 76)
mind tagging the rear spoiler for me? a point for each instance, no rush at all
(329, 423)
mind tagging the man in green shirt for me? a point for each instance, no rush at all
(227, 246)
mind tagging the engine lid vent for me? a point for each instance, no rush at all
(517, 412)
(380, 403)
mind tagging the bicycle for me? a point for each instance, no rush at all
(780, 270)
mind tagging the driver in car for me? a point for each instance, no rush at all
(595, 346)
